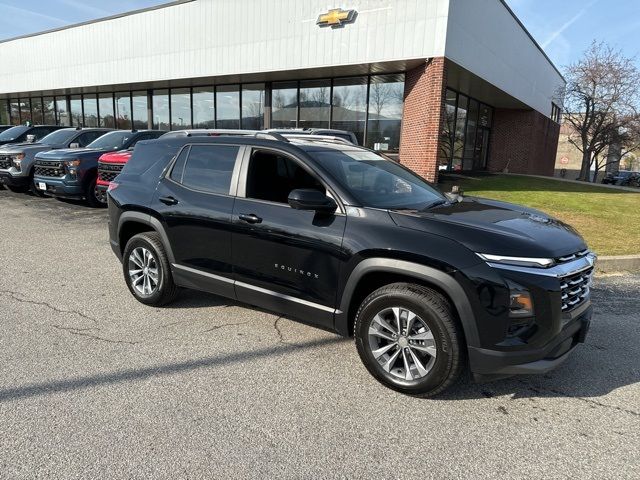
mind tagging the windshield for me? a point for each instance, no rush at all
(112, 141)
(12, 133)
(377, 182)
(59, 137)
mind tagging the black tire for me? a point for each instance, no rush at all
(436, 313)
(166, 290)
(35, 190)
(91, 196)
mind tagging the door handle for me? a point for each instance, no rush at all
(169, 200)
(250, 218)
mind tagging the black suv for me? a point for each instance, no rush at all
(344, 239)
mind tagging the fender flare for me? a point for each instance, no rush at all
(430, 275)
(151, 221)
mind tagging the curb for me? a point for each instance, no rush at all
(576, 182)
(618, 263)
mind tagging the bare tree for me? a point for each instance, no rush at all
(601, 101)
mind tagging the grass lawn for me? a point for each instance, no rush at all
(608, 219)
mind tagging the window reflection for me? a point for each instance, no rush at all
(160, 108)
(140, 110)
(62, 112)
(315, 103)
(284, 105)
(90, 111)
(228, 106)
(203, 107)
(386, 102)
(107, 117)
(253, 106)
(123, 111)
(180, 108)
(49, 111)
(349, 106)
(76, 110)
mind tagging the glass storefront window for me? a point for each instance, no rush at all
(76, 110)
(461, 122)
(90, 103)
(349, 105)
(160, 106)
(315, 103)
(62, 112)
(470, 135)
(36, 110)
(14, 110)
(180, 108)
(107, 117)
(140, 110)
(284, 105)
(5, 116)
(25, 111)
(486, 114)
(447, 136)
(253, 106)
(123, 111)
(228, 106)
(49, 110)
(204, 113)
(386, 102)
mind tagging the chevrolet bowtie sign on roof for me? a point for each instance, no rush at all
(337, 18)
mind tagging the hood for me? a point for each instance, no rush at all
(18, 147)
(499, 228)
(121, 156)
(65, 153)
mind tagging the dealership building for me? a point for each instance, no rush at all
(444, 84)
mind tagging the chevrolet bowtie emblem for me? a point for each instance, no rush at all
(336, 18)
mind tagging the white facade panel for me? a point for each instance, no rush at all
(484, 38)
(205, 38)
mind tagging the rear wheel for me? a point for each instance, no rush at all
(93, 197)
(409, 340)
(147, 271)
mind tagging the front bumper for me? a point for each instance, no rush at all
(59, 187)
(491, 364)
(13, 181)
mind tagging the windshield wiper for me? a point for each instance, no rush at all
(435, 204)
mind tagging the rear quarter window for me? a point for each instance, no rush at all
(146, 154)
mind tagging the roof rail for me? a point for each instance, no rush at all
(319, 138)
(271, 136)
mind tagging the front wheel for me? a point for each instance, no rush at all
(147, 271)
(94, 197)
(409, 339)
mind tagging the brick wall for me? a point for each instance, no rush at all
(424, 92)
(525, 140)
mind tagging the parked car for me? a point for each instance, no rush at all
(623, 178)
(342, 238)
(109, 167)
(17, 160)
(72, 173)
(23, 133)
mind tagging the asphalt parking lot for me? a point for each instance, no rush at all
(95, 385)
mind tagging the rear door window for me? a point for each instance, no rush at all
(209, 168)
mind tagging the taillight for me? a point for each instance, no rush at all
(112, 186)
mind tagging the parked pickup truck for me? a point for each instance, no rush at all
(344, 239)
(109, 167)
(73, 173)
(17, 160)
(24, 133)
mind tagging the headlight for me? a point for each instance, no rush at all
(518, 261)
(520, 302)
(17, 160)
(72, 163)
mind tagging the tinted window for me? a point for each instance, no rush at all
(272, 177)
(178, 167)
(377, 182)
(87, 137)
(209, 167)
(59, 137)
(41, 132)
(112, 141)
(12, 133)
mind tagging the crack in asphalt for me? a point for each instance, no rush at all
(82, 332)
(19, 297)
(216, 327)
(279, 332)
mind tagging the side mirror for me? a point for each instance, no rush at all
(74, 145)
(31, 138)
(310, 199)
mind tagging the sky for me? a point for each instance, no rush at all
(564, 28)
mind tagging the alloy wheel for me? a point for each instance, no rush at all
(402, 344)
(144, 272)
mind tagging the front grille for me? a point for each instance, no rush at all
(107, 172)
(5, 161)
(46, 168)
(575, 288)
(569, 258)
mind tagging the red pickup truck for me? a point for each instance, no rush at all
(109, 167)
